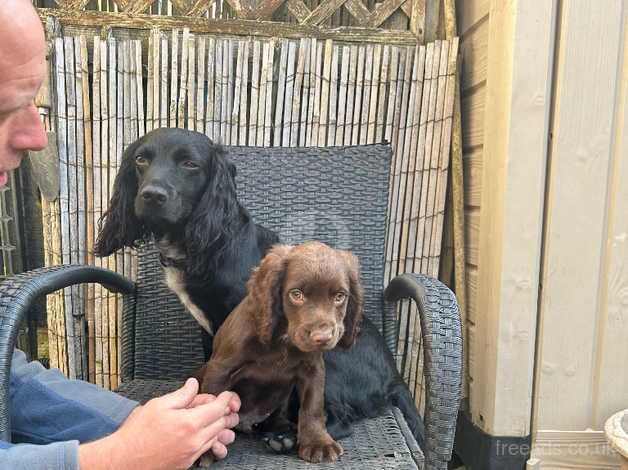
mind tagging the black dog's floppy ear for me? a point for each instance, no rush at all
(215, 219)
(264, 292)
(355, 309)
(119, 227)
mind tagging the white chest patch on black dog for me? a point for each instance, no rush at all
(175, 282)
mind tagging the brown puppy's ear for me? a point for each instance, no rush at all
(353, 317)
(264, 292)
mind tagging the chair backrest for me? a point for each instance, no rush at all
(337, 195)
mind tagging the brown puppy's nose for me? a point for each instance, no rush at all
(154, 194)
(322, 335)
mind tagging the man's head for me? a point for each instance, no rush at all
(22, 69)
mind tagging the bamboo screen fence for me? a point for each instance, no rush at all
(241, 91)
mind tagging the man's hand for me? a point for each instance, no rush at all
(169, 432)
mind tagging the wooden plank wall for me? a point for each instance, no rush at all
(250, 91)
(583, 347)
(560, 127)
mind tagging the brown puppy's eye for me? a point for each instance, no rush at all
(296, 295)
(340, 297)
(140, 159)
(189, 164)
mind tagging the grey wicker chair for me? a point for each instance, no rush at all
(337, 195)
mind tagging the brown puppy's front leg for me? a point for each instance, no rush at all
(212, 379)
(315, 443)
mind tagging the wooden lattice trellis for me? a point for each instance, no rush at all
(420, 16)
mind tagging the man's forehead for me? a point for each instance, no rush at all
(19, 85)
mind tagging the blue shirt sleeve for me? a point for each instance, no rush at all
(57, 414)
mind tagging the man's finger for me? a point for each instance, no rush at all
(226, 436)
(219, 450)
(182, 397)
(202, 399)
(208, 413)
(216, 439)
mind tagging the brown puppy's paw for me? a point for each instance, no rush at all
(206, 460)
(324, 451)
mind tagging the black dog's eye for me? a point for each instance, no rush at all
(140, 159)
(189, 164)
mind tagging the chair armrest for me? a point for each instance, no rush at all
(17, 295)
(442, 342)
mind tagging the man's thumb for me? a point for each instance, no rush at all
(182, 397)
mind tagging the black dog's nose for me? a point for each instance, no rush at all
(154, 194)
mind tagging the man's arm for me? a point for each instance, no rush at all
(56, 456)
(48, 407)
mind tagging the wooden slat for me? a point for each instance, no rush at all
(218, 93)
(385, 9)
(357, 104)
(229, 76)
(382, 95)
(237, 96)
(473, 118)
(183, 78)
(417, 20)
(333, 96)
(281, 89)
(470, 14)
(372, 114)
(174, 79)
(157, 72)
(304, 52)
(305, 94)
(289, 93)
(141, 128)
(360, 13)
(315, 104)
(100, 125)
(201, 54)
(325, 85)
(351, 91)
(474, 50)
(149, 82)
(191, 82)
(243, 93)
(164, 105)
(112, 68)
(210, 116)
(323, 12)
(254, 128)
(611, 388)
(298, 9)
(268, 96)
(511, 218)
(366, 94)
